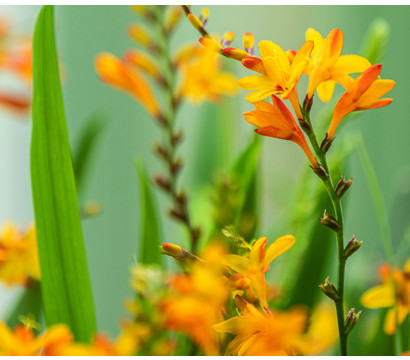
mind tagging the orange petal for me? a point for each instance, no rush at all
(254, 63)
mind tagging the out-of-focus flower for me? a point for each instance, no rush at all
(202, 78)
(327, 66)
(23, 342)
(18, 256)
(264, 333)
(363, 94)
(393, 293)
(119, 75)
(196, 302)
(278, 74)
(257, 263)
(277, 121)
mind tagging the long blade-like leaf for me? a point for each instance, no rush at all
(65, 284)
(150, 240)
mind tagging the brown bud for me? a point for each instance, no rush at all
(326, 144)
(178, 253)
(330, 221)
(161, 151)
(175, 166)
(163, 183)
(352, 246)
(305, 126)
(178, 214)
(307, 104)
(320, 171)
(351, 320)
(329, 290)
(162, 120)
(342, 186)
(177, 137)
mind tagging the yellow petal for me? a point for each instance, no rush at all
(272, 68)
(390, 322)
(325, 90)
(278, 247)
(313, 35)
(260, 95)
(378, 89)
(270, 49)
(257, 255)
(237, 263)
(255, 82)
(403, 311)
(301, 61)
(349, 64)
(378, 296)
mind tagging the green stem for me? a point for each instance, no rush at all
(337, 206)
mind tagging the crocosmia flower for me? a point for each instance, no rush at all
(275, 120)
(328, 67)
(363, 94)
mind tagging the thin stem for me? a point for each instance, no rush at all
(337, 206)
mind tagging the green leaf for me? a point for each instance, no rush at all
(150, 240)
(82, 153)
(65, 283)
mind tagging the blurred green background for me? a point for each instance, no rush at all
(112, 237)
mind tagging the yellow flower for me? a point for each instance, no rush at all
(363, 94)
(202, 78)
(278, 75)
(327, 66)
(121, 76)
(22, 341)
(264, 333)
(257, 263)
(196, 302)
(18, 256)
(277, 121)
(393, 293)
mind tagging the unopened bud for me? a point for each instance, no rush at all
(342, 186)
(175, 166)
(330, 221)
(307, 104)
(291, 54)
(305, 126)
(352, 246)
(254, 63)
(196, 23)
(172, 18)
(227, 38)
(161, 151)
(210, 43)
(178, 253)
(326, 144)
(235, 53)
(178, 214)
(238, 282)
(177, 137)
(248, 42)
(320, 171)
(142, 36)
(144, 11)
(329, 290)
(204, 16)
(351, 320)
(163, 183)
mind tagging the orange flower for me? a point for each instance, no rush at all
(255, 266)
(393, 293)
(119, 75)
(327, 66)
(278, 74)
(277, 121)
(18, 256)
(363, 94)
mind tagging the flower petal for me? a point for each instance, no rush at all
(378, 296)
(237, 263)
(256, 82)
(317, 38)
(325, 90)
(349, 64)
(278, 247)
(270, 49)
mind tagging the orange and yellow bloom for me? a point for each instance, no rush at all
(363, 94)
(18, 256)
(275, 120)
(394, 293)
(327, 66)
(278, 74)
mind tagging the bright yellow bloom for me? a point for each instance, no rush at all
(18, 256)
(393, 293)
(257, 263)
(23, 342)
(196, 303)
(278, 75)
(202, 78)
(260, 333)
(277, 121)
(120, 75)
(327, 66)
(363, 94)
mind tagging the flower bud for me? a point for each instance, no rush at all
(196, 23)
(326, 144)
(163, 183)
(235, 53)
(320, 171)
(175, 166)
(305, 126)
(227, 38)
(238, 282)
(178, 253)
(307, 104)
(141, 36)
(329, 290)
(177, 137)
(254, 63)
(178, 214)
(351, 320)
(210, 43)
(342, 186)
(352, 246)
(248, 42)
(291, 54)
(203, 16)
(172, 18)
(330, 221)
(161, 151)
